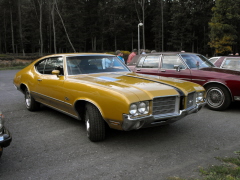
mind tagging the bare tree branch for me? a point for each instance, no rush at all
(64, 27)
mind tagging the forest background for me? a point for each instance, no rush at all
(208, 27)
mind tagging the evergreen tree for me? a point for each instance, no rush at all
(223, 26)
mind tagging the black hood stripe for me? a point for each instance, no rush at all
(177, 89)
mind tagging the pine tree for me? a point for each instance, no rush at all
(223, 26)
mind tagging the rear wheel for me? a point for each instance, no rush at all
(218, 97)
(95, 124)
(30, 102)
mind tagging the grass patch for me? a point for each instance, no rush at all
(228, 170)
(4, 55)
(11, 68)
(13, 65)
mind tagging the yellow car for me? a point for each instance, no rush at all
(101, 90)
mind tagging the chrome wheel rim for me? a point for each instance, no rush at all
(87, 125)
(215, 97)
(28, 99)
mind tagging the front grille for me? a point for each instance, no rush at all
(164, 105)
(190, 99)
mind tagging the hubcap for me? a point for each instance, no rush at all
(215, 97)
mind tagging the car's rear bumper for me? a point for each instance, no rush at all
(5, 138)
(150, 121)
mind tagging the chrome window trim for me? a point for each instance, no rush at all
(182, 61)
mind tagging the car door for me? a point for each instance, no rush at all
(169, 64)
(49, 87)
(148, 65)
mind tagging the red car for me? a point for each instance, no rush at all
(227, 62)
(222, 85)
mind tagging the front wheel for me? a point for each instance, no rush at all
(30, 102)
(95, 124)
(218, 98)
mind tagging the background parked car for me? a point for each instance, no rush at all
(213, 59)
(101, 90)
(5, 137)
(227, 62)
(222, 85)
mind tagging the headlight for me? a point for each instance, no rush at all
(142, 107)
(133, 109)
(139, 108)
(200, 97)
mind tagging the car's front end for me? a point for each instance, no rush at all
(164, 110)
(146, 100)
(5, 136)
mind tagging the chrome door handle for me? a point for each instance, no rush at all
(138, 69)
(163, 70)
(39, 79)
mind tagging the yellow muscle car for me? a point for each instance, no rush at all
(101, 90)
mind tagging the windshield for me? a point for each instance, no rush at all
(196, 61)
(94, 64)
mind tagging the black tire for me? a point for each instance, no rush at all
(95, 125)
(30, 102)
(1, 151)
(218, 97)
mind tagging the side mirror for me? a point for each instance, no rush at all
(56, 72)
(177, 67)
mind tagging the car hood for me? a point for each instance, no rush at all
(141, 85)
(221, 70)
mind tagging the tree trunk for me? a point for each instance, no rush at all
(40, 27)
(132, 42)
(13, 48)
(5, 32)
(193, 42)
(20, 27)
(162, 27)
(94, 43)
(115, 42)
(50, 27)
(54, 30)
(102, 43)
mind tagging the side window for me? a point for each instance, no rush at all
(231, 63)
(151, 62)
(57, 64)
(46, 66)
(51, 64)
(40, 66)
(168, 62)
(213, 60)
(140, 63)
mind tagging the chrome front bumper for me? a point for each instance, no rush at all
(157, 120)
